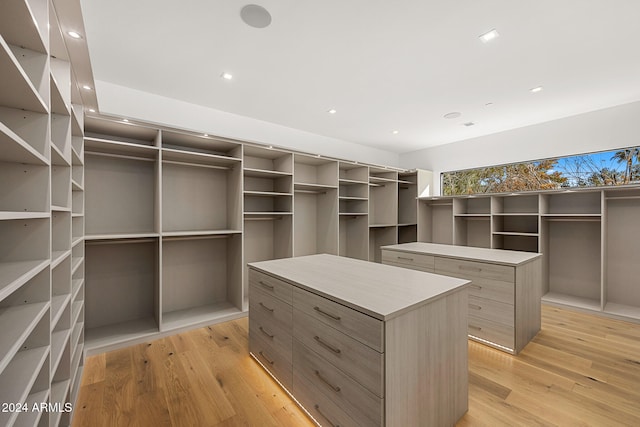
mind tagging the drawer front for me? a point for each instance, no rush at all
(492, 289)
(407, 258)
(272, 359)
(355, 359)
(269, 309)
(363, 406)
(358, 325)
(494, 311)
(474, 269)
(271, 285)
(491, 331)
(409, 266)
(276, 337)
(321, 408)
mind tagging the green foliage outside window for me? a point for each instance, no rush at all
(617, 167)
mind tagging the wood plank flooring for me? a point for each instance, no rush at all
(580, 370)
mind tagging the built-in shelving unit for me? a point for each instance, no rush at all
(588, 238)
(353, 210)
(39, 236)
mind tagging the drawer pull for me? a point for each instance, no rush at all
(477, 328)
(265, 332)
(325, 345)
(324, 416)
(478, 287)
(266, 285)
(405, 258)
(266, 308)
(324, 380)
(319, 310)
(476, 269)
(271, 362)
(475, 307)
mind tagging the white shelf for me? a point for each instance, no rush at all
(514, 233)
(16, 149)
(515, 214)
(23, 215)
(58, 256)
(21, 374)
(479, 216)
(196, 158)
(257, 214)
(22, 319)
(571, 300)
(101, 338)
(76, 284)
(263, 173)
(343, 181)
(381, 225)
(353, 213)
(58, 304)
(17, 273)
(104, 146)
(377, 179)
(301, 186)
(266, 194)
(58, 340)
(75, 263)
(200, 233)
(60, 208)
(76, 241)
(199, 315)
(16, 89)
(353, 198)
(120, 236)
(31, 418)
(622, 310)
(18, 24)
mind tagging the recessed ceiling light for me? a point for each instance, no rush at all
(206, 134)
(469, 124)
(255, 16)
(488, 104)
(270, 147)
(535, 89)
(453, 115)
(86, 87)
(332, 111)
(74, 34)
(395, 132)
(488, 36)
(125, 120)
(91, 110)
(226, 76)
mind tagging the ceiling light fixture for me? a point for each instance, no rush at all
(125, 120)
(205, 135)
(488, 104)
(226, 76)
(395, 132)
(255, 16)
(91, 110)
(468, 124)
(74, 34)
(488, 36)
(86, 87)
(452, 115)
(535, 89)
(332, 111)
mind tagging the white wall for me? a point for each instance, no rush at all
(118, 100)
(610, 128)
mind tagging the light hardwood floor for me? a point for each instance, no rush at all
(579, 370)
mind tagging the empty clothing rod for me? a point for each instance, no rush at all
(199, 165)
(263, 218)
(202, 237)
(121, 241)
(119, 156)
(310, 192)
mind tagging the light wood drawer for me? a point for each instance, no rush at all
(363, 406)
(497, 333)
(473, 269)
(411, 267)
(360, 326)
(269, 309)
(362, 363)
(421, 261)
(492, 289)
(321, 408)
(275, 336)
(273, 359)
(491, 310)
(271, 285)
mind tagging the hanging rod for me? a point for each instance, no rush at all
(199, 165)
(263, 218)
(202, 237)
(121, 241)
(119, 156)
(310, 192)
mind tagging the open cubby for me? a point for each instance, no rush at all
(77, 177)
(201, 279)
(200, 198)
(472, 206)
(516, 242)
(353, 173)
(407, 198)
(314, 172)
(435, 221)
(516, 224)
(38, 394)
(383, 198)
(121, 274)
(258, 159)
(60, 231)
(622, 256)
(573, 256)
(572, 203)
(354, 236)
(353, 206)
(77, 202)
(315, 227)
(60, 86)
(120, 131)
(24, 136)
(120, 195)
(267, 183)
(61, 186)
(24, 189)
(515, 204)
(175, 142)
(60, 288)
(407, 233)
(16, 63)
(61, 135)
(381, 236)
(473, 231)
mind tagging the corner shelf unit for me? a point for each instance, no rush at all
(40, 241)
(589, 238)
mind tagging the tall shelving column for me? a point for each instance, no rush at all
(122, 233)
(472, 221)
(353, 196)
(383, 210)
(515, 222)
(25, 209)
(201, 261)
(315, 212)
(408, 206)
(268, 207)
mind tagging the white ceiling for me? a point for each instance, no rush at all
(382, 65)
